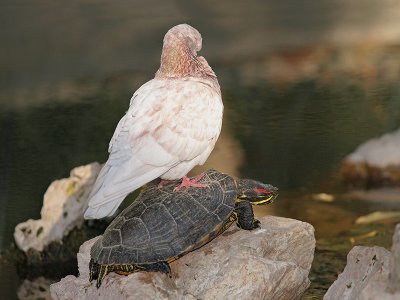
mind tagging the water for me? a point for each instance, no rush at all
(300, 93)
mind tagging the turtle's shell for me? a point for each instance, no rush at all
(161, 224)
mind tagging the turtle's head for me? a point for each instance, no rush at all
(255, 192)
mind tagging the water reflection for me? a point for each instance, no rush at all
(296, 136)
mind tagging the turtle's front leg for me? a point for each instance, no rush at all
(245, 216)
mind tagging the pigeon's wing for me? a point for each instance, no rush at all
(160, 130)
(124, 171)
(189, 121)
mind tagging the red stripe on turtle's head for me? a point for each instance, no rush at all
(262, 191)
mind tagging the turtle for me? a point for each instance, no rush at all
(163, 224)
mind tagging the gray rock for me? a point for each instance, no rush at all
(374, 163)
(370, 273)
(394, 277)
(63, 206)
(366, 267)
(272, 262)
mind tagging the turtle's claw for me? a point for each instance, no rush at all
(256, 224)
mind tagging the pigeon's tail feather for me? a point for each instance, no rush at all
(103, 211)
(114, 183)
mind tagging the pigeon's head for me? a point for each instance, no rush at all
(179, 55)
(183, 35)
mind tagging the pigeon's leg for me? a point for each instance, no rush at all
(186, 182)
(164, 182)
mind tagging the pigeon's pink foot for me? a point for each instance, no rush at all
(186, 182)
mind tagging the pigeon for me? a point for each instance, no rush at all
(172, 125)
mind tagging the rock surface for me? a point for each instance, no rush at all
(272, 262)
(63, 206)
(394, 278)
(370, 273)
(374, 163)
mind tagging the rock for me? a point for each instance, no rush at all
(36, 289)
(389, 195)
(366, 268)
(378, 216)
(394, 278)
(370, 273)
(272, 262)
(63, 206)
(374, 163)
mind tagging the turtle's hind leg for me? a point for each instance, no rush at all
(126, 269)
(102, 274)
(97, 271)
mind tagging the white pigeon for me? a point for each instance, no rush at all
(172, 125)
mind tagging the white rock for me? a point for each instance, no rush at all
(63, 206)
(371, 273)
(268, 263)
(379, 152)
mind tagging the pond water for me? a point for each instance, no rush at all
(292, 112)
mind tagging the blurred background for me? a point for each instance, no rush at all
(303, 83)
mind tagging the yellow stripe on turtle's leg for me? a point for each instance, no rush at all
(139, 268)
(234, 217)
(226, 224)
(132, 268)
(124, 268)
(111, 268)
(91, 269)
(102, 274)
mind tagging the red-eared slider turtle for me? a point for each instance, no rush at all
(161, 225)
